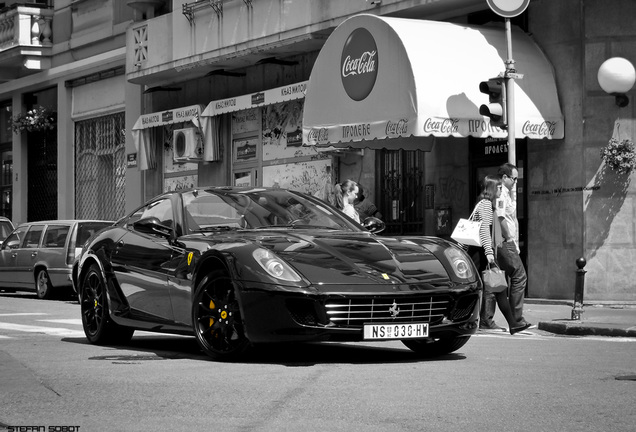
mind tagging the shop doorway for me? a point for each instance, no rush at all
(400, 190)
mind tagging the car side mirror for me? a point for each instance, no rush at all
(13, 244)
(153, 226)
(374, 225)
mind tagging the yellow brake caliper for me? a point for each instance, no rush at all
(212, 306)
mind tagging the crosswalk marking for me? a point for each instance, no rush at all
(63, 332)
(53, 331)
(22, 314)
(75, 321)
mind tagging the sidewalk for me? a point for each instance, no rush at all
(599, 318)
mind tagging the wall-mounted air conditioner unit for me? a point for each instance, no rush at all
(187, 145)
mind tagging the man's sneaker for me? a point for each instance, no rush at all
(491, 327)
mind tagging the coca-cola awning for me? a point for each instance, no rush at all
(378, 78)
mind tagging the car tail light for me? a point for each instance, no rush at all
(460, 263)
(72, 252)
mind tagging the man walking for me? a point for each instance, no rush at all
(508, 254)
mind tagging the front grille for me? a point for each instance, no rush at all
(355, 311)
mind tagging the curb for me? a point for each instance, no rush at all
(581, 329)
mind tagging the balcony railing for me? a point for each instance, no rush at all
(26, 27)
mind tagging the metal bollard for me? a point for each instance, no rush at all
(577, 308)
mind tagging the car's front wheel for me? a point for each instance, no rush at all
(98, 326)
(216, 318)
(435, 347)
(43, 287)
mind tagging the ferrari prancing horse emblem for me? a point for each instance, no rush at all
(190, 258)
(394, 310)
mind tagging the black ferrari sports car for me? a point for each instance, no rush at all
(243, 266)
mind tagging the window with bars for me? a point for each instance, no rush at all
(401, 200)
(100, 167)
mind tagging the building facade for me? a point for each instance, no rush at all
(155, 95)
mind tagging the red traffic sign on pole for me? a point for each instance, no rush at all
(508, 8)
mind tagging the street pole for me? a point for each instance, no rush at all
(510, 97)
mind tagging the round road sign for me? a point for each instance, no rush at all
(508, 8)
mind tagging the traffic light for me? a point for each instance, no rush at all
(495, 88)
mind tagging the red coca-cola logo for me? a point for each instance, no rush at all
(359, 64)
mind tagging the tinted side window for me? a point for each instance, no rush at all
(32, 238)
(161, 209)
(55, 236)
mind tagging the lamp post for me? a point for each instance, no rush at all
(616, 76)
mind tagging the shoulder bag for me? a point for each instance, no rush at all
(467, 230)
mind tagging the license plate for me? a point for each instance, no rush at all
(395, 331)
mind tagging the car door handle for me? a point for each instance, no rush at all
(33, 254)
(13, 255)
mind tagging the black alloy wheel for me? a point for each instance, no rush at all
(98, 327)
(435, 347)
(43, 287)
(216, 318)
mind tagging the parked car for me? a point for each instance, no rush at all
(241, 266)
(39, 256)
(6, 226)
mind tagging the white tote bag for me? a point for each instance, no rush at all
(467, 231)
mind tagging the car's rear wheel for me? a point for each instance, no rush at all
(98, 326)
(43, 287)
(435, 347)
(216, 318)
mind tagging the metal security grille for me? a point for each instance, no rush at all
(401, 201)
(100, 167)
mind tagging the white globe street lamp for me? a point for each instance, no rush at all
(616, 76)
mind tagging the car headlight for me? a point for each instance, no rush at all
(459, 263)
(274, 266)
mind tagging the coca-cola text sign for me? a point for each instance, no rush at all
(359, 64)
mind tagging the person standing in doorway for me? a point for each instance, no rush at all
(508, 258)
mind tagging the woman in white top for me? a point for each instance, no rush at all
(346, 194)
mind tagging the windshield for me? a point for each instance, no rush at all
(260, 209)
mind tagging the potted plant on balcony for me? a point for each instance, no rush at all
(36, 119)
(619, 155)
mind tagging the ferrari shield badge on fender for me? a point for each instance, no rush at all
(190, 258)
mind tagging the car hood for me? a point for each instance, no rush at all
(356, 258)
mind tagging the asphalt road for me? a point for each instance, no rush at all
(52, 378)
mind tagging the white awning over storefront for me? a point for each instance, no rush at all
(255, 100)
(378, 78)
(177, 115)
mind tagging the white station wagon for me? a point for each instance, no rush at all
(39, 256)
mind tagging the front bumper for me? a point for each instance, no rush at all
(284, 316)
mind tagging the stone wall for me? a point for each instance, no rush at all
(578, 207)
